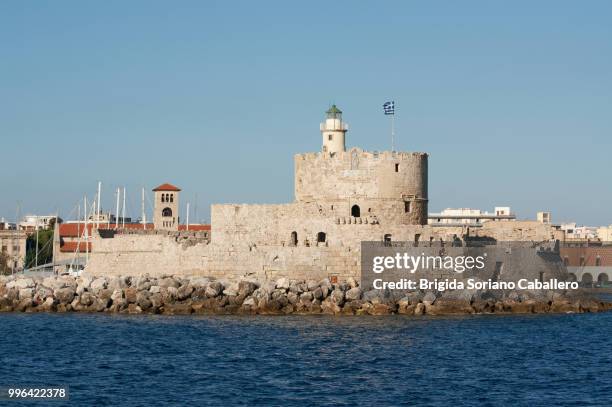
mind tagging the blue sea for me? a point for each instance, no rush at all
(532, 360)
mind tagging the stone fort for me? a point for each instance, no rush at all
(342, 197)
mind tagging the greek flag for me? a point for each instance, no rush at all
(389, 108)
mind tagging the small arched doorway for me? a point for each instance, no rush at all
(294, 240)
(355, 211)
(321, 237)
(587, 279)
(387, 239)
(602, 279)
(572, 277)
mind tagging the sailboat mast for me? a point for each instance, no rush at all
(117, 209)
(123, 210)
(144, 220)
(98, 206)
(187, 217)
(86, 232)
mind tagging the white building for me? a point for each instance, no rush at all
(34, 222)
(544, 217)
(572, 231)
(604, 233)
(469, 217)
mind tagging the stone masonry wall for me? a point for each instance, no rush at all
(378, 181)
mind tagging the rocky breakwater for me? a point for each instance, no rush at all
(179, 295)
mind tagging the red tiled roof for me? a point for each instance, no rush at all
(77, 229)
(166, 187)
(194, 228)
(69, 247)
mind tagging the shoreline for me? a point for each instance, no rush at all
(172, 295)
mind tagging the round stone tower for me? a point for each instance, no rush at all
(333, 131)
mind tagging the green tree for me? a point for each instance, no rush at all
(45, 248)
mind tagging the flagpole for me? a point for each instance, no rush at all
(393, 132)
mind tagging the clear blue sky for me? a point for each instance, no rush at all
(513, 100)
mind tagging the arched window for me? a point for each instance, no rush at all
(166, 212)
(355, 211)
(171, 197)
(294, 239)
(587, 279)
(321, 237)
(162, 198)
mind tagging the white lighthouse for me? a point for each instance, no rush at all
(333, 131)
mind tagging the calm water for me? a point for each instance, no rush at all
(156, 360)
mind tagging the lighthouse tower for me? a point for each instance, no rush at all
(333, 131)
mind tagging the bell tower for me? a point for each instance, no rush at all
(333, 131)
(166, 212)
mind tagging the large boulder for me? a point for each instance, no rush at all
(143, 301)
(231, 290)
(130, 295)
(54, 283)
(178, 308)
(98, 284)
(142, 283)
(87, 299)
(22, 283)
(118, 283)
(65, 295)
(214, 289)
(246, 288)
(353, 294)
(283, 283)
(26, 293)
(184, 292)
(47, 305)
(199, 281)
(329, 306)
(447, 306)
(318, 293)
(169, 282)
(337, 296)
(311, 285)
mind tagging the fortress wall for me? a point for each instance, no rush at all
(518, 231)
(157, 255)
(366, 179)
(265, 252)
(162, 254)
(319, 176)
(264, 225)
